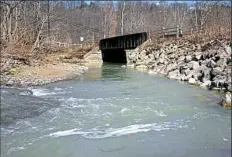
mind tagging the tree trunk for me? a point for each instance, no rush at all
(122, 18)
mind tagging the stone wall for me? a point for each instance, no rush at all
(93, 58)
(206, 63)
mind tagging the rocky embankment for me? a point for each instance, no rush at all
(207, 63)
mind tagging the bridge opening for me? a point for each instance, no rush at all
(114, 56)
(113, 49)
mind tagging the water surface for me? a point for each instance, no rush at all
(114, 112)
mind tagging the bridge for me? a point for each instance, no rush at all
(130, 41)
(114, 49)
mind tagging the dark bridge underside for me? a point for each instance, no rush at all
(113, 49)
(114, 56)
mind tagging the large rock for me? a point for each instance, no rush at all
(228, 49)
(172, 56)
(221, 62)
(188, 58)
(10, 82)
(189, 73)
(229, 86)
(131, 66)
(152, 72)
(181, 58)
(206, 72)
(173, 74)
(162, 58)
(181, 69)
(194, 64)
(156, 55)
(142, 67)
(183, 77)
(216, 72)
(211, 64)
(163, 70)
(192, 81)
(197, 56)
(206, 83)
(196, 74)
(227, 100)
(224, 53)
(219, 82)
(171, 67)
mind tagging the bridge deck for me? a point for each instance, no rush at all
(130, 41)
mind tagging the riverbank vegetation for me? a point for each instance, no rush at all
(28, 26)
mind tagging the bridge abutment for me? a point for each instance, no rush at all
(94, 57)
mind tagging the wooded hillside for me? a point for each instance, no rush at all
(33, 24)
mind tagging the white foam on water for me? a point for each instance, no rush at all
(26, 122)
(224, 139)
(215, 115)
(25, 93)
(124, 110)
(137, 120)
(54, 111)
(100, 99)
(6, 131)
(42, 92)
(107, 114)
(57, 89)
(116, 132)
(67, 133)
(201, 115)
(195, 108)
(73, 102)
(15, 149)
(4, 91)
(160, 113)
(71, 99)
(52, 119)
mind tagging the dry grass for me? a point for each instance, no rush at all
(76, 51)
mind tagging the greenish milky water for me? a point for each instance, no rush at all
(114, 112)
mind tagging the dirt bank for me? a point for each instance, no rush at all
(37, 68)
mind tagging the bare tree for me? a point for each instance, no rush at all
(32, 23)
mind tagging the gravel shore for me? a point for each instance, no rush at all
(39, 75)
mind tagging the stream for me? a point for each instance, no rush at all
(114, 112)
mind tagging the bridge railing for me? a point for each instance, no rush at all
(175, 31)
(63, 44)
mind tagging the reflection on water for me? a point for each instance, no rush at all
(107, 72)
